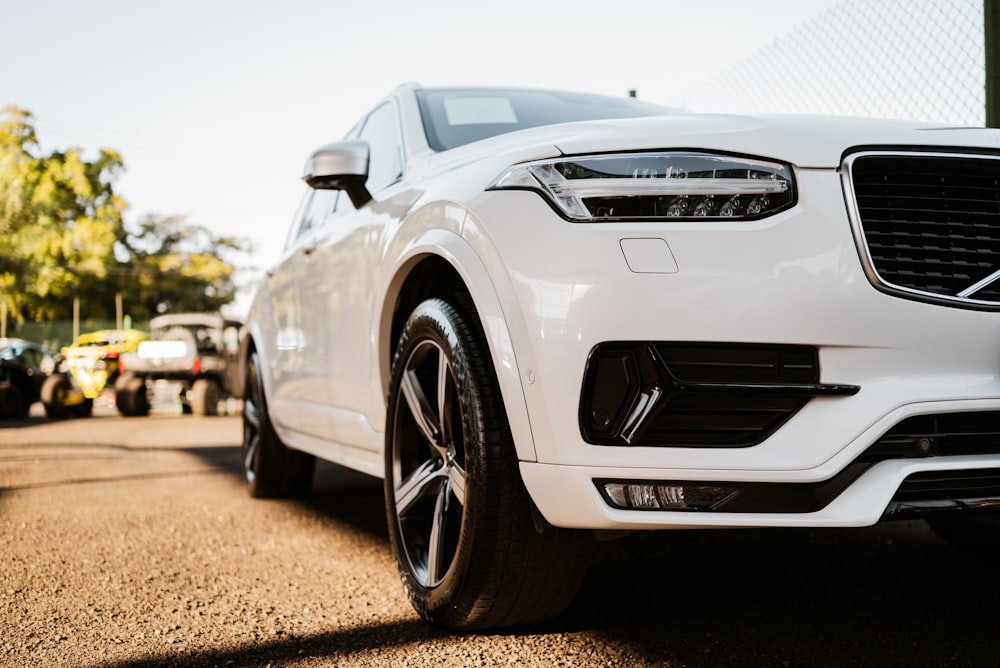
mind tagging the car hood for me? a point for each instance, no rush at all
(805, 141)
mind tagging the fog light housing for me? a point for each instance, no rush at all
(653, 495)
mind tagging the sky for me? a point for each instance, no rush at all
(215, 104)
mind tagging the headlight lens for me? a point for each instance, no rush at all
(673, 185)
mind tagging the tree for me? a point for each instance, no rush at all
(177, 266)
(59, 218)
(62, 235)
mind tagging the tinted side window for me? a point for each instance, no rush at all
(32, 357)
(293, 231)
(381, 131)
(321, 205)
(315, 207)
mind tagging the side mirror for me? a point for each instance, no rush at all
(341, 165)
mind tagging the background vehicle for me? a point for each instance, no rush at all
(544, 316)
(196, 354)
(86, 368)
(24, 366)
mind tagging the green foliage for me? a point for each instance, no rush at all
(62, 235)
(177, 266)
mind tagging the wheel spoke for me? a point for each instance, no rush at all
(437, 552)
(251, 415)
(420, 407)
(456, 482)
(250, 446)
(443, 409)
(417, 485)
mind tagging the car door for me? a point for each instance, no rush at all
(281, 318)
(336, 291)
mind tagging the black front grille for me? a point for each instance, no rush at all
(696, 394)
(931, 223)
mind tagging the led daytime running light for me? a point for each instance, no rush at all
(680, 185)
(660, 186)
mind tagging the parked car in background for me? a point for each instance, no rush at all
(543, 317)
(196, 355)
(87, 366)
(24, 366)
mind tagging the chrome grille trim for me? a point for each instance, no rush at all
(962, 298)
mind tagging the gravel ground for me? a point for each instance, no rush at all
(130, 542)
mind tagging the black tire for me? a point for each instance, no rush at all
(204, 397)
(121, 380)
(270, 469)
(84, 409)
(15, 403)
(972, 534)
(460, 520)
(55, 391)
(131, 397)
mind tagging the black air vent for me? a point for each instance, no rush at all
(931, 223)
(947, 434)
(696, 395)
(950, 485)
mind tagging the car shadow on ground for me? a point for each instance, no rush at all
(890, 594)
(29, 421)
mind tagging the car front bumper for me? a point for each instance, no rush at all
(793, 279)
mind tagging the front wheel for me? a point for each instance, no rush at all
(460, 520)
(270, 469)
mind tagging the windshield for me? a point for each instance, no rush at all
(453, 117)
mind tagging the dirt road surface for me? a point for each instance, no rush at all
(130, 542)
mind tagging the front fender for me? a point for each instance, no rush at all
(459, 253)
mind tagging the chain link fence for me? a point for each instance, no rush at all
(55, 335)
(905, 59)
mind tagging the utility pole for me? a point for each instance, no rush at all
(991, 34)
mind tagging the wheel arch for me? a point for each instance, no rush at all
(249, 335)
(438, 264)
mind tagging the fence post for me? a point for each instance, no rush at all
(991, 17)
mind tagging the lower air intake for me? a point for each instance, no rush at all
(696, 395)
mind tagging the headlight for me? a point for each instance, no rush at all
(674, 185)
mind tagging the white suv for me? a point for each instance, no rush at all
(540, 314)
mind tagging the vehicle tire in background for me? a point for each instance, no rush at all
(84, 409)
(204, 397)
(131, 397)
(270, 469)
(467, 546)
(15, 405)
(55, 390)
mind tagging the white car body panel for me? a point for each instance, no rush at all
(548, 291)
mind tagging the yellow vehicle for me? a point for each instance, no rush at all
(88, 366)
